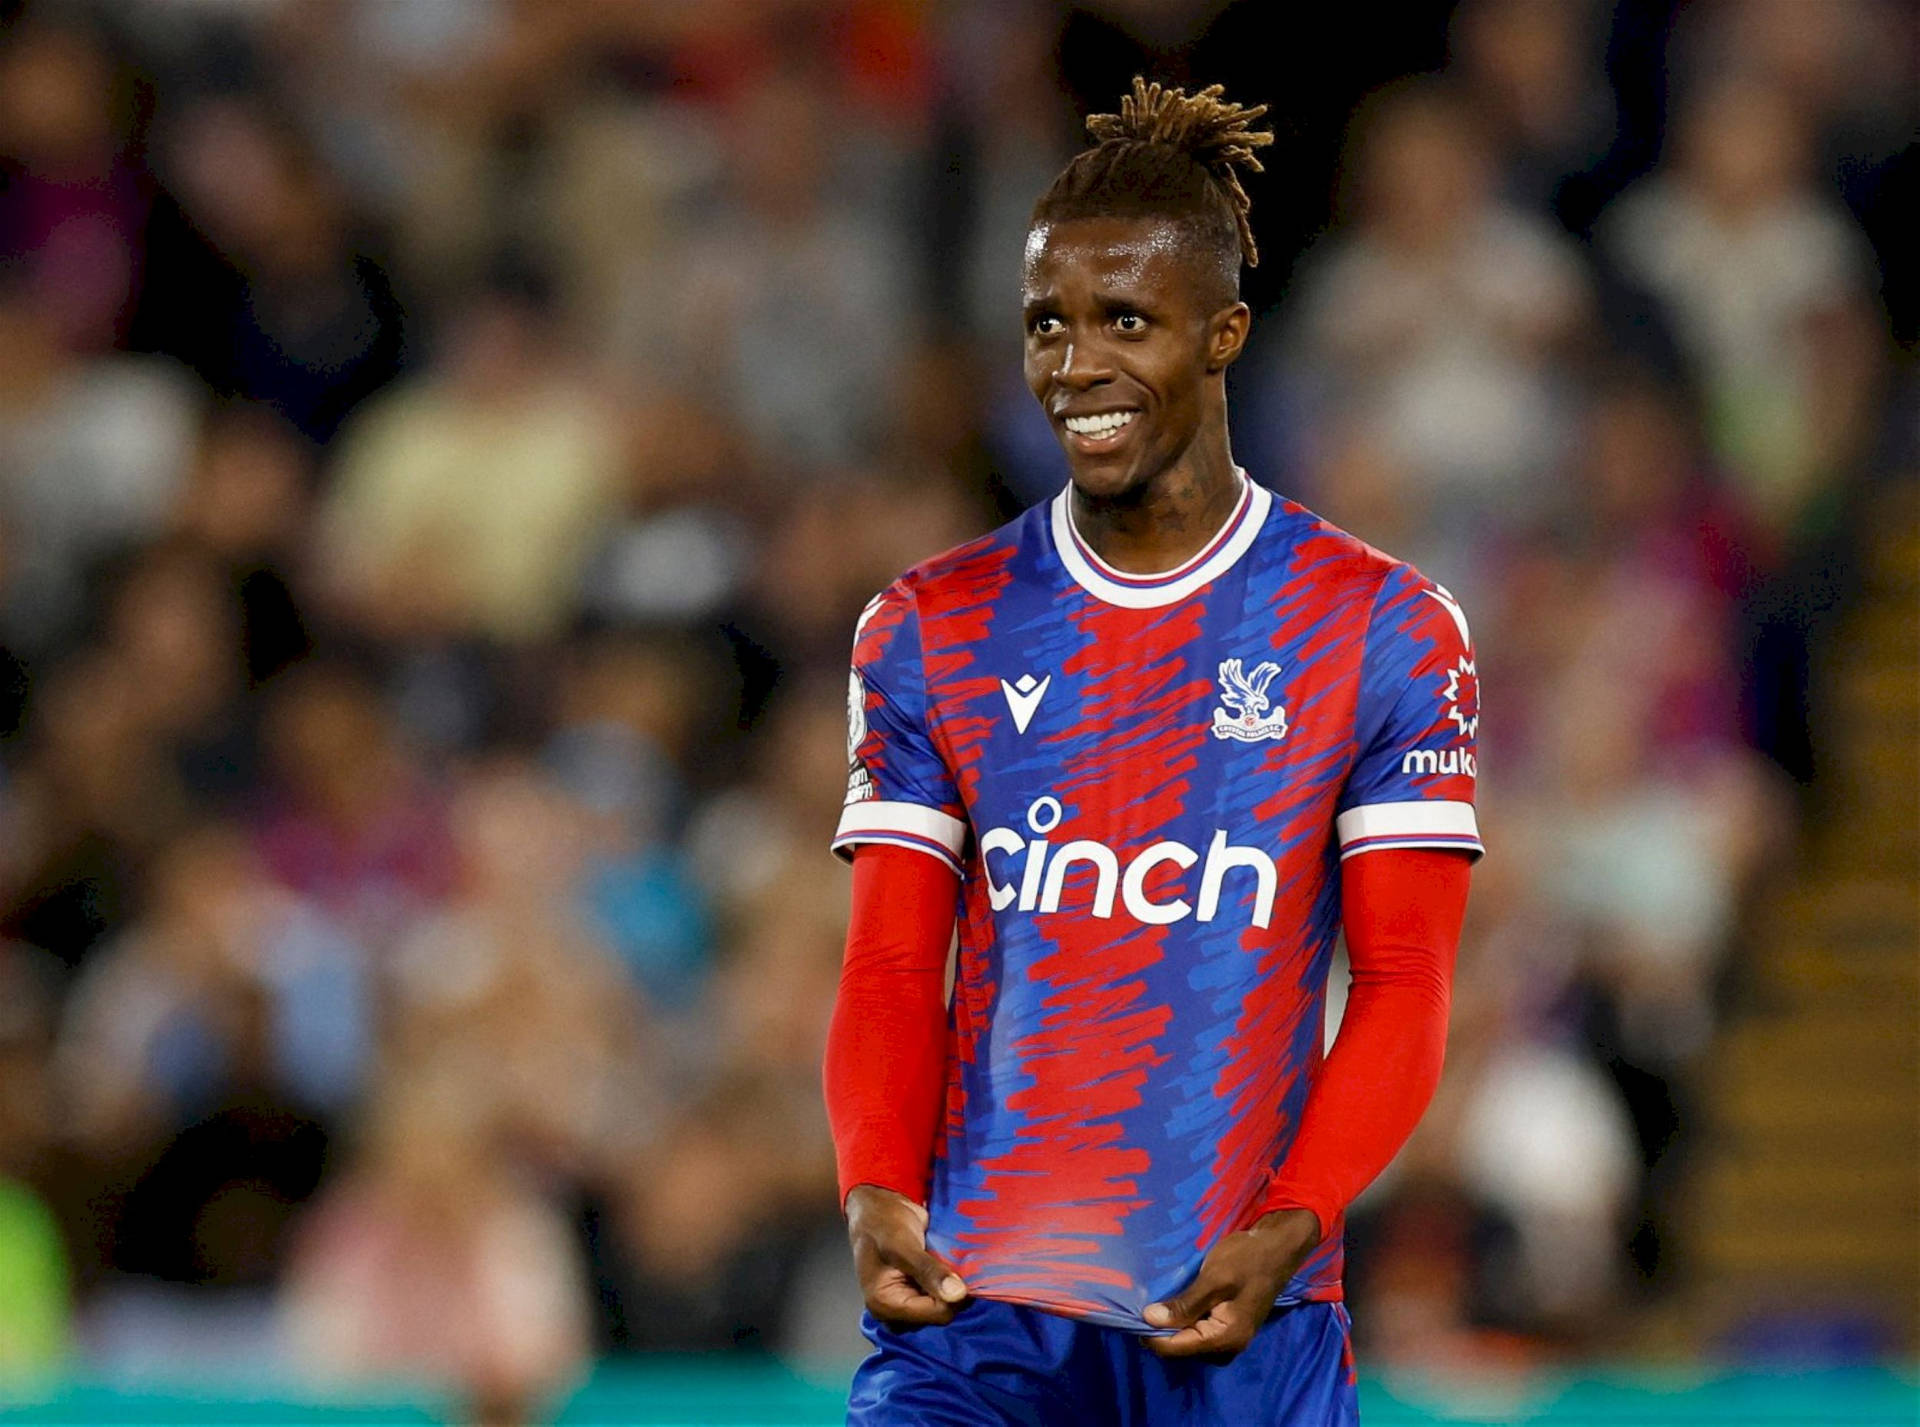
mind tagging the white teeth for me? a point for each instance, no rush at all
(1104, 424)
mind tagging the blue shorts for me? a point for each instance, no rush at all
(999, 1364)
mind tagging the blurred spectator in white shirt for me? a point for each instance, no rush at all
(1438, 320)
(93, 451)
(1768, 285)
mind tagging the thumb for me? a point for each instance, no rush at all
(935, 1278)
(1186, 1307)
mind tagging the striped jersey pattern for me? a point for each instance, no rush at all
(1146, 784)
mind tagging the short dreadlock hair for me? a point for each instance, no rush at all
(1169, 154)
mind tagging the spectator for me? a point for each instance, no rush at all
(1768, 287)
(246, 505)
(628, 713)
(1442, 319)
(1534, 73)
(349, 819)
(299, 320)
(791, 300)
(432, 1261)
(508, 985)
(467, 502)
(682, 551)
(93, 452)
(175, 620)
(75, 196)
(226, 984)
(201, 1056)
(96, 797)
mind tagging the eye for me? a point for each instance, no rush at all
(1046, 325)
(1131, 323)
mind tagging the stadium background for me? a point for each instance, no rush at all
(444, 445)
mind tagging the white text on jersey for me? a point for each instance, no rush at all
(1043, 873)
(1429, 760)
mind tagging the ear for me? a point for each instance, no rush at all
(1226, 335)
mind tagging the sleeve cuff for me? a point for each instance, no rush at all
(1425, 823)
(913, 825)
(1280, 1196)
(907, 1186)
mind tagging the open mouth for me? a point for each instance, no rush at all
(1102, 429)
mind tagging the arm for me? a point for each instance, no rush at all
(886, 1047)
(885, 1076)
(1402, 909)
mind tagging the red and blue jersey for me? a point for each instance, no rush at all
(1146, 784)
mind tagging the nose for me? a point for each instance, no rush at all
(1083, 366)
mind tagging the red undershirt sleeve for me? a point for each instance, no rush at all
(886, 1057)
(1402, 910)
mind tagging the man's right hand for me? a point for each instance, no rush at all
(901, 1281)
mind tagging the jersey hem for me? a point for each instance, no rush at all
(1137, 1326)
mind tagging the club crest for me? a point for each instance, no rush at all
(1244, 716)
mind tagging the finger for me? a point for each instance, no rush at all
(895, 1298)
(1189, 1307)
(935, 1278)
(1225, 1330)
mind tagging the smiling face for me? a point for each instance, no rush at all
(1129, 335)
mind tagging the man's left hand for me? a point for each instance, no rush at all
(1232, 1294)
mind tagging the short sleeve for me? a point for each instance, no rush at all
(1417, 725)
(899, 789)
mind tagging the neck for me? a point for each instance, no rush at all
(1167, 519)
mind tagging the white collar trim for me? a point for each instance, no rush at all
(1213, 560)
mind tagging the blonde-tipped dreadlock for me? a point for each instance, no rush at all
(1168, 154)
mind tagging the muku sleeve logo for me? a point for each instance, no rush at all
(1245, 703)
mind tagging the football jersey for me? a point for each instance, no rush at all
(1146, 783)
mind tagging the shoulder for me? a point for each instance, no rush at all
(1339, 565)
(968, 573)
(1346, 571)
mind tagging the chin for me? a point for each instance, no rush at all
(1103, 481)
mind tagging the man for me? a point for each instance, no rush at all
(1157, 741)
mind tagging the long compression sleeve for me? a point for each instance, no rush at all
(887, 1045)
(1402, 909)
(886, 1048)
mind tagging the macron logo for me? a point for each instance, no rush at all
(1023, 697)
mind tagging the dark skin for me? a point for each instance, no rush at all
(1122, 316)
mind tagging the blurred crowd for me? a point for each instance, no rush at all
(444, 445)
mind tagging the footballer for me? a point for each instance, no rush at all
(1144, 753)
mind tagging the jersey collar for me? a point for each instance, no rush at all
(1117, 587)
